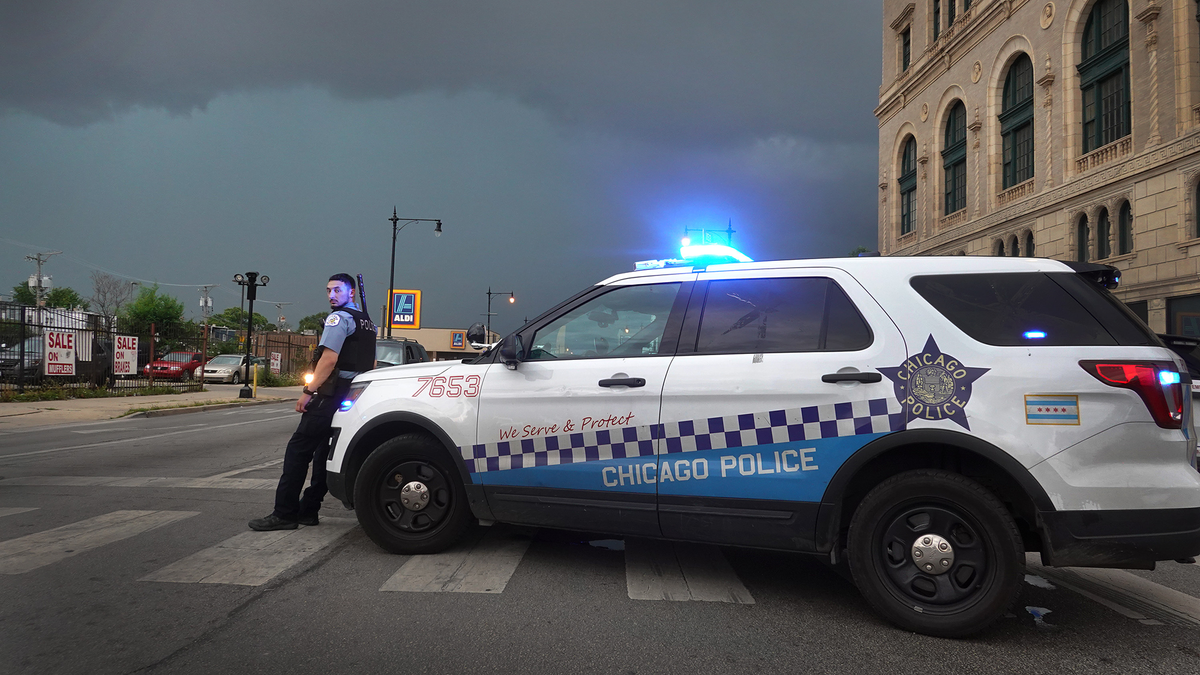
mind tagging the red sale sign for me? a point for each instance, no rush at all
(60, 353)
(125, 355)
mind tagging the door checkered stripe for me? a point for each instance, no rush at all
(852, 418)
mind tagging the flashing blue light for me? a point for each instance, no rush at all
(346, 405)
(1035, 334)
(720, 251)
(1166, 377)
(686, 241)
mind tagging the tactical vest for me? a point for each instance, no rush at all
(358, 351)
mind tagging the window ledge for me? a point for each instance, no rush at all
(1119, 258)
(1115, 150)
(906, 239)
(957, 218)
(1188, 243)
(1018, 191)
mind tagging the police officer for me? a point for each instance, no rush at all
(347, 348)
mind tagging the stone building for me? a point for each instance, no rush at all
(1066, 129)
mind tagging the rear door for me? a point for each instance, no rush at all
(568, 438)
(776, 382)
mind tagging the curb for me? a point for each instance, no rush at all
(164, 412)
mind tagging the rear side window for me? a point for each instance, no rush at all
(755, 316)
(1032, 308)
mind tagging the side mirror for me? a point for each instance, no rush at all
(511, 351)
(477, 335)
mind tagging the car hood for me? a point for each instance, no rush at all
(428, 368)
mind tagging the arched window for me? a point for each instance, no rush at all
(1029, 244)
(1125, 229)
(954, 158)
(908, 186)
(1016, 122)
(1104, 74)
(1014, 248)
(1103, 250)
(998, 249)
(1081, 239)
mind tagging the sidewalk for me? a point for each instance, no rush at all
(45, 413)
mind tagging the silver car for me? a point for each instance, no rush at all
(229, 368)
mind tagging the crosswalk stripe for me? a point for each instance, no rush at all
(214, 482)
(30, 552)
(264, 465)
(253, 558)
(477, 565)
(14, 510)
(661, 570)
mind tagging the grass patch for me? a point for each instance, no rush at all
(60, 393)
(192, 404)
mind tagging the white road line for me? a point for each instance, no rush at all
(253, 558)
(213, 483)
(1126, 593)
(235, 472)
(475, 566)
(141, 438)
(14, 510)
(661, 570)
(21, 555)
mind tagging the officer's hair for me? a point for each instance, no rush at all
(345, 279)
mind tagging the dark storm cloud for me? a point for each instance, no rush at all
(690, 71)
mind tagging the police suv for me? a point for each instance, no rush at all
(926, 420)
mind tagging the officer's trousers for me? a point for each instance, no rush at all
(309, 444)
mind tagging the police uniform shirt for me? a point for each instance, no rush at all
(338, 326)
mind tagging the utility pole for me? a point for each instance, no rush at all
(39, 259)
(205, 301)
(279, 306)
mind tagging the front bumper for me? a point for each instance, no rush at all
(337, 487)
(1132, 539)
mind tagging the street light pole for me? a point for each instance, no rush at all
(250, 283)
(437, 232)
(511, 299)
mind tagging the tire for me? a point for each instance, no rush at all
(395, 527)
(236, 379)
(185, 375)
(978, 585)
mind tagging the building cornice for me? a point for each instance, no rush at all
(904, 17)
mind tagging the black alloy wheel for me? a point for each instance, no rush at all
(936, 553)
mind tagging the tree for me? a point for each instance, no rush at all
(164, 311)
(859, 249)
(109, 293)
(61, 298)
(235, 317)
(314, 322)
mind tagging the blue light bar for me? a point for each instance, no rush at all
(1166, 377)
(713, 251)
(1034, 334)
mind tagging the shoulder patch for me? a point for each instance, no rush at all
(332, 320)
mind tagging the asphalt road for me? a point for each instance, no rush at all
(124, 548)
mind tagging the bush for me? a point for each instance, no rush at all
(268, 379)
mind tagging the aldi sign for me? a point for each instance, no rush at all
(125, 355)
(405, 310)
(60, 352)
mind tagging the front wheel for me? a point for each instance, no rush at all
(409, 497)
(936, 553)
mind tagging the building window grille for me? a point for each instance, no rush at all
(905, 48)
(937, 19)
(1081, 239)
(1104, 74)
(954, 159)
(1016, 122)
(908, 186)
(1125, 229)
(1028, 244)
(1103, 227)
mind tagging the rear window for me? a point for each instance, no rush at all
(1033, 308)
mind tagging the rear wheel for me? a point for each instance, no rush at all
(409, 497)
(936, 553)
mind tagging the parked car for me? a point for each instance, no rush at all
(398, 351)
(10, 359)
(230, 368)
(174, 365)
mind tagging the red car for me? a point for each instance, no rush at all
(175, 365)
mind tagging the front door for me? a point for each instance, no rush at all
(568, 438)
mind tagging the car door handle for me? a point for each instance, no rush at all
(624, 382)
(852, 377)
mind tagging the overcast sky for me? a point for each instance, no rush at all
(184, 141)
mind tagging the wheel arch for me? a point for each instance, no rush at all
(930, 449)
(389, 425)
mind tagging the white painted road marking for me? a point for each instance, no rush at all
(235, 472)
(23, 554)
(1125, 593)
(477, 565)
(14, 510)
(253, 558)
(661, 570)
(213, 483)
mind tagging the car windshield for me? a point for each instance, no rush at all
(389, 353)
(177, 357)
(227, 360)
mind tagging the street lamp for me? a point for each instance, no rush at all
(249, 283)
(437, 232)
(511, 299)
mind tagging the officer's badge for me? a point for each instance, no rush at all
(331, 320)
(933, 386)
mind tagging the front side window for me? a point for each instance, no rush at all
(1016, 122)
(954, 159)
(1104, 74)
(626, 321)
(758, 316)
(908, 186)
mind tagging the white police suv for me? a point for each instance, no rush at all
(927, 420)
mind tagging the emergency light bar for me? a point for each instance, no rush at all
(699, 255)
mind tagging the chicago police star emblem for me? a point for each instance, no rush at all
(933, 386)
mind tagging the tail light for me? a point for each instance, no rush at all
(1159, 384)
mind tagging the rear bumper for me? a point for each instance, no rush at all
(1133, 539)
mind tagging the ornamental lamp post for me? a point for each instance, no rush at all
(437, 232)
(511, 300)
(249, 283)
